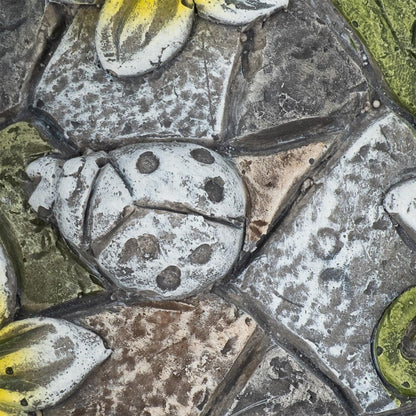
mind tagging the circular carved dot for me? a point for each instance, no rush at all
(169, 279)
(203, 156)
(9, 371)
(147, 162)
(144, 247)
(201, 255)
(214, 187)
(24, 402)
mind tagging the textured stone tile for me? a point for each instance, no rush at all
(48, 273)
(269, 180)
(295, 77)
(336, 262)
(23, 32)
(184, 99)
(282, 386)
(167, 358)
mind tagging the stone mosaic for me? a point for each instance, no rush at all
(207, 207)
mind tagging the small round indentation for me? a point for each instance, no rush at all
(203, 156)
(144, 247)
(147, 162)
(169, 278)
(24, 402)
(9, 371)
(201, 255)
(214, 187)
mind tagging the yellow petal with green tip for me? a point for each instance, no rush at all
(137, 36)
(237, 12)
(42, 360)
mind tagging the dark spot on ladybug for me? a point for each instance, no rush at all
(214, 187)
(147, 162)
(101, 161)
(169, 279)
(144, 247)
(203, 156)
(201, 255)
(9, 371)
(24, 402)
(379, 351)
(406, 385)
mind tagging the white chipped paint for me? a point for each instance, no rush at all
(58, 359)
(7, 288)
(292, 264)
(108, 201)
(238, 12)
(137, 50)
(48, 169)
(73, 192)
(178, 236)
(114, 205)
(400, 203)
(154, 108)
(179, 181)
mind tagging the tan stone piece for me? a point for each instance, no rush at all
(269, 179)
(168, 358)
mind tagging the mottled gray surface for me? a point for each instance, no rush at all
(185, 99)
(295, 79)
(20, 46)
(282, 386)
(336, 262)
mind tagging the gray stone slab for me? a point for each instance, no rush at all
(295, 77)
(336, 262)
(282, 386)
(23, 32)
(184, 99)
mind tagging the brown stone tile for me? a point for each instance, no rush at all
(269, 179)
(167, 358)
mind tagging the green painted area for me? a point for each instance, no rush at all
(397, 371)
(49, 273)
(388, 29)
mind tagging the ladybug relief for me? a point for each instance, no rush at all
(166, 219)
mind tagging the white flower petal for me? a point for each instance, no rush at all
(7, 287)
(42, 360)
(237, 12)
(135, 37)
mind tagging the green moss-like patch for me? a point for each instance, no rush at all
(48, 272)
(397, 371)
(388, 29)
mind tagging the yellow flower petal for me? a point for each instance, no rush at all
(136, 36)
(237, 12)
(7, 287)
(43, 360)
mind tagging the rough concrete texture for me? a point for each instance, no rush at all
(162, 218)
(24, 30)
(282, 386)
(168, 359)
(295, 80)
(185, 99)
(336, 261)
(269, 180)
